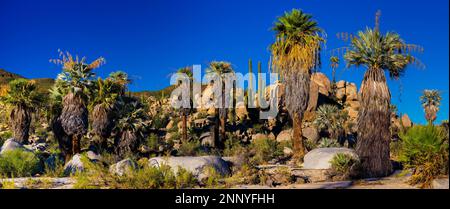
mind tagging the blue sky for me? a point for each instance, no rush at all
(150, 39)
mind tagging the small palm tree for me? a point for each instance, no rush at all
(331, 119)
(295, 53)
(221, 68)
(104, 105)
(334, 65)
(431, 100)
(23, 97)
(185, 111)
(77, 81)
(378, 53)
(131, 127)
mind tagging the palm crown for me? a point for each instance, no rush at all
(22, 92)
(297, 42)
(431, 98)
(376, 51)
(77, 76)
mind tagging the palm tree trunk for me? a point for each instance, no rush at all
(216, 127)
(373, 125)
(20, 122)
(184, 127)
(297, 138)
(76, 144)
(223, 116)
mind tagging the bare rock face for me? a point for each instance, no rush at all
(123, 166)
(285, 135)
(170, 125)
(207, 139)
(311, 134)
(406, 122)
(241, 111)
(320, 158)
(197, 165)
(74, 165)
(11, 144)
(440, 183)
(323, 82)
(313, 97)
(259, 136)
(346, 90)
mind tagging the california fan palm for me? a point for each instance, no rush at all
(377, 53)
(187, 71)
(104, 110)
(131, 126)
(23, 97)
(431, 100)
(77, 78)
(221, 69)
(295, 53)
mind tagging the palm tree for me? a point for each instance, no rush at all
(131, 127)
(221, 68)
(331, 119)
(104, 105)
(23, 97)
(77, 82)
(295, 53)
(185, 111)
(431, 100)
(334, 64)
(378, 53)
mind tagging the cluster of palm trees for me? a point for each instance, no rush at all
(296, 53)
(78, 98)
(81, 102)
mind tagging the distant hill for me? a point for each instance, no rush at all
(6, 77)
(43, 83)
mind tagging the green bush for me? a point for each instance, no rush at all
(4, 135)
(342, 164)
(147, 177)
(233, 146)
(327, 142)
(153, 142)
(264, 150)
(191, 148)
(425, 150)
(19, 163)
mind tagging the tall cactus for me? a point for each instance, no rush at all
(260, 84)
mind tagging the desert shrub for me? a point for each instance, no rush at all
(258, 128)
(395, 148)
(31, 183)
(264, 150)
(342, 164)
(55, 168)
(213, 178)
(160, 121)
(19, 163)
(233, 146)
(425, 150)
(327, 142)
(185, 179)
(243, 174)
(9, 184)
(153, 142)
(191, 148)
(147, 177)
(4, 135)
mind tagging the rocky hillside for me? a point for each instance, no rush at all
(5, 77)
